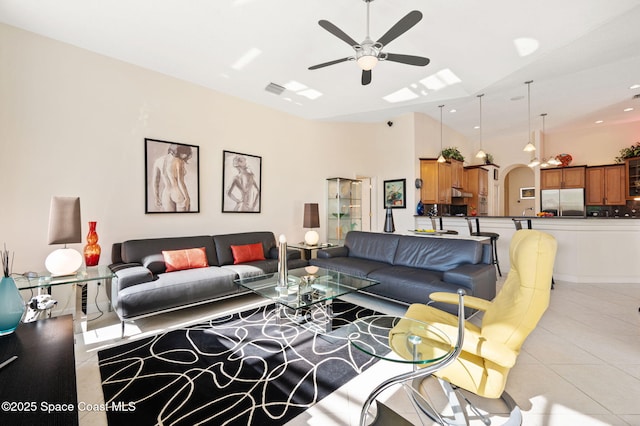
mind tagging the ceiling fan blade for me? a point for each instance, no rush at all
(337, 32)
(326, 64)
(366, 77)
(401, 27)
(419, 61)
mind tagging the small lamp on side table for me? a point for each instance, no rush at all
(311, 220)
(64, 228)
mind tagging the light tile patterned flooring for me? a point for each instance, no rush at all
(580, 366)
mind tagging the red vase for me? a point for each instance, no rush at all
(92, 249)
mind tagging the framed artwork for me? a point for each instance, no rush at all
(527, 193)
(172, 177)
(395, 193)
(241, 182)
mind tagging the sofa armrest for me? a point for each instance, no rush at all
(292, 254)
(332, 252)
(479, 280)
(131, 276)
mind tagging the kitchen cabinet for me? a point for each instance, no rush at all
(565, 177)
(606, 185)
(436, 182)
(457, 173)
(632, 180)
(477, 183)
(344, 208)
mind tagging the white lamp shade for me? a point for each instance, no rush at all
(367, 62)
(311, 238)
(64, 261)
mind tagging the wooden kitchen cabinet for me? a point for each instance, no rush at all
(560, 178)
(477, 183)
(457, 173)
(632, 178)
(606, 185)
(436, 182)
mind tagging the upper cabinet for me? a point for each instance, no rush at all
(436, 182)
(477, 183)
(606, 185)
(632, 181)
(565, 177)
(457, 173)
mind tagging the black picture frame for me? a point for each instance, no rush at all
(167, 162)
(241, 191)
(395, 194)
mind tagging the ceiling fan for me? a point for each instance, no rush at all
(368, 53)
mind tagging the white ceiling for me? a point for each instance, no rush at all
(587, 58)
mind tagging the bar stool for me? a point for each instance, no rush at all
(434, 227)
(492, 235)
(518, 224)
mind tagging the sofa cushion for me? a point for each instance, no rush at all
(373, 246)
(154, 263)
(247, 253)
(136, 250)
(223, 244)
(438, 254)
(179, 260)
(349, 265)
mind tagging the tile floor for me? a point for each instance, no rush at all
(581, 366)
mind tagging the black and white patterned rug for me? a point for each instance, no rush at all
(243, 369)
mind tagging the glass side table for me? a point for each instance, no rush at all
(45, 281)
(405, 340)
(307, 249)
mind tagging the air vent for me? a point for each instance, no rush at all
(276, 89)
(636, 96)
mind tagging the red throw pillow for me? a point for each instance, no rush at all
(178, 260)
(247, 253)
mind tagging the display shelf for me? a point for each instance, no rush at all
(344, 209)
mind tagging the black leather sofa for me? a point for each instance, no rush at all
(410, 268)
(142, 287)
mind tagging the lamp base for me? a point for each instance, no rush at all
(64, 261)
(311, 238)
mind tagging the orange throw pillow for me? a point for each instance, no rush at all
(247, 253)
(178, 260)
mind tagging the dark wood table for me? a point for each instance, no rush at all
(39, 387)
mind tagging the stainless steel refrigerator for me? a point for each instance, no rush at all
(563, 202)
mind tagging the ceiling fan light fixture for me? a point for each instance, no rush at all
(367, 62)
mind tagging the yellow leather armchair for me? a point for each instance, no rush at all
(490, 350)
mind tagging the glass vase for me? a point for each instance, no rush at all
(92, 249)
(11, 306)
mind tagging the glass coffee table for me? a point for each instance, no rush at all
(308, 288)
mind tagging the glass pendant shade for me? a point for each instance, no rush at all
(529, 147)
(441, 158)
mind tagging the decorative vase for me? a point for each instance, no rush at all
(420, 209)
(92, 249)
(11, 306)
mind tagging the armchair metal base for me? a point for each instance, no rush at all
(458, 416)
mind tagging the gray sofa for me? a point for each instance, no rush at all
(142, 287)
(410, 268)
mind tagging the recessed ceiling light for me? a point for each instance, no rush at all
(294, 86)
(599, 121)
(453, 110)
(635, 86)
(628, 109)
(476, 127)
(525, 46)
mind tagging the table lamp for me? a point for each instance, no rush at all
(64, 228)
(311, 220)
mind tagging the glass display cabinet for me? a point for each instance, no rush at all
(344, 210)
(633, 178)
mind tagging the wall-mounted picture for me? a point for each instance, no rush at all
(527, 193)
(172, 174)
(395, 193)
(241, 182)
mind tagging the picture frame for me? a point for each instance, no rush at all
(172, 177)
(241, 183)
(527, 193)
(395, 194)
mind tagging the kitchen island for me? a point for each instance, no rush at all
(590, 250)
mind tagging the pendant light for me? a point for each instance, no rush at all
(529, 147)
(441, 158)
(481, 153)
